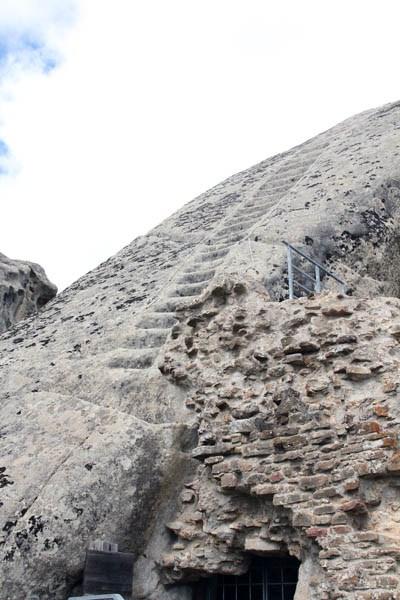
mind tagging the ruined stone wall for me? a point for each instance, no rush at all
(298, 421)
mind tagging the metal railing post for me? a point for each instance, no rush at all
(319, 271)
(317, 280)
(290, 272)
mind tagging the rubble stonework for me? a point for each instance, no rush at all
(298, 422)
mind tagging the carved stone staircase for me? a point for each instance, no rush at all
(155, 323)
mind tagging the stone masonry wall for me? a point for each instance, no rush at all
(298, 421)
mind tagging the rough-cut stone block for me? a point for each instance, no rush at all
(260, 546)
(317, 386)
(245, 411)
(327, 492)
(216, 449)
(337, 310)
(313, 482)
(381, 411)
(393, 465)
(265, 489)
(294, 359)
(358, 372)
(316, 532)
(292, 498)
(187, 496)
(303, 518)
(324, 509)
(354, 506)
(229, 481)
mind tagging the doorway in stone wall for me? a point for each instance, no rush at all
(267, 579)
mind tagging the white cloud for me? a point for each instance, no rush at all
(30, 40)
(155, 101)
(30, 32)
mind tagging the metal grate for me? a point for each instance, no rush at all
(268, 579)
(300, 281)
(101, 597)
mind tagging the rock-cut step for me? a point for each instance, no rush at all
(213, 255)
(147, 338)
(132, 359)
(200, 265)
(171, 305)
(227, 240)
(256, 210)
(196, 276)
(161, 320)
(191, 289)
(240, 226)
(283, 182)
(253, 210)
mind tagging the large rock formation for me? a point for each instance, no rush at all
(24, 289)
(97, 435)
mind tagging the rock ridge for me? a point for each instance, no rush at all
(24, 290)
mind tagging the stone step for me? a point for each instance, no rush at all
(227, 241)
(282, 182)
(292, 171)
(213, 256)
(157, 320)
(256, 210)
(170, 305)
(196, 276)
(261, 205)
(193, 289)
(252, 211)
(306, 153)
(147, 338)
(239, 226)
(264, 193)
(200, 265)
(280, 191)
(128, 359)
(210, 248)
(307, 159)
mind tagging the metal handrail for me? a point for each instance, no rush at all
(318, 269)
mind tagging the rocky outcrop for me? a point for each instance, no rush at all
(298, 420)
(24, 289)
(96, 442)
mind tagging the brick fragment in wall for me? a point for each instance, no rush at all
(297, 456)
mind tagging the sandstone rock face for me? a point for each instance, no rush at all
(99, 421)
(24, 289)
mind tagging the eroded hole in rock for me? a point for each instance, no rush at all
(268, 578)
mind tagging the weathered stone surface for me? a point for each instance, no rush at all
(24, 289)
(99, 418)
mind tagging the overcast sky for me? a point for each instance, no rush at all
(114, 113)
